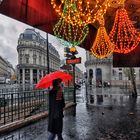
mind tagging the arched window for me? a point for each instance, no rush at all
(21, 36)
(90, 73)
(99, 75)
(33, 37)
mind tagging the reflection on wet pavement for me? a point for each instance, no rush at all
(104, 116)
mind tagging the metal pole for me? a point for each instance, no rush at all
(74, 91)
(48, 61)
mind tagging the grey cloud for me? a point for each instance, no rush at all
(1, 29)
(6, 51)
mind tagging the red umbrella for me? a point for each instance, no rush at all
(46, 81)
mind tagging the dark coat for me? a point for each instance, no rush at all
(55, 113)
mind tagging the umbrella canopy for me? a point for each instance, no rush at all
(46, 81)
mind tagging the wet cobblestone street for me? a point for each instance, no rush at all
(104, 116)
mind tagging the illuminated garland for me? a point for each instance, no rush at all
(77, 9)
(58, 9)
(90, 16)
(73, 34)
(123, 34)
(67, 28)
(102, 46)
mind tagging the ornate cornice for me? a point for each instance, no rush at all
(30, 47)
(19, 66)
(98, 62)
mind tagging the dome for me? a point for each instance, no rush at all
(30, 31)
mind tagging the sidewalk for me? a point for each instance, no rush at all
(118, 119)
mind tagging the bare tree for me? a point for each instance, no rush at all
(130, 72)
(133, 81)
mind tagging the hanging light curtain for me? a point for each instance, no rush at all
(70, 27)
(102, 46)
(123, 34)
(87, 11)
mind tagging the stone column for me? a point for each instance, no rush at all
(37, 75)
(23, 79)
(42, 73)
(18, 76)
(31, 76)
(23, 76)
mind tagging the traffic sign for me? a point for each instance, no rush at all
(73, 61)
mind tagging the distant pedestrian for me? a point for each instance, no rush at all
(56, 105)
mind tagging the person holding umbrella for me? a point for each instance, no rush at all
(56, 101)
(56, 105)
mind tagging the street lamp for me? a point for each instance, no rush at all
(73, 51)
(70, 54)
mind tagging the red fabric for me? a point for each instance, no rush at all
(59, 94)
(46, 81)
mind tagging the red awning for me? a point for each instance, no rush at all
(39, 14)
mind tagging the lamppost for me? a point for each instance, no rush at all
(73, 51)
(48, 58)
(70, 54)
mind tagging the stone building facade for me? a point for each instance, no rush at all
(32, 57)
(6, 70)
(102, 70)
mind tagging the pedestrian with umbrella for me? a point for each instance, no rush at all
(56, 101)
(56, 105)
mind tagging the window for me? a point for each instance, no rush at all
(27, 60)
(120, 69)
(44, 61)
(34, 37)
(113, 72)
(19, 42)
(120, 76)
(20, 60)
(34, 60)
(20, 52)
(27, 76)
(23, 52)
(21, 36)
(91, 73)
(40, 60)
(34, 52)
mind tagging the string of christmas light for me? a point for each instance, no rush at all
(92, 13)
(123, 34)
(74, 34)
(70, 12)
(102, 46)
(67, 28)
(81, 9)
(58, 9)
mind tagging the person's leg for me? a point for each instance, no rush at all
(59, 135)
(51, 136)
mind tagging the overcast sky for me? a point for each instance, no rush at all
(10, 30)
